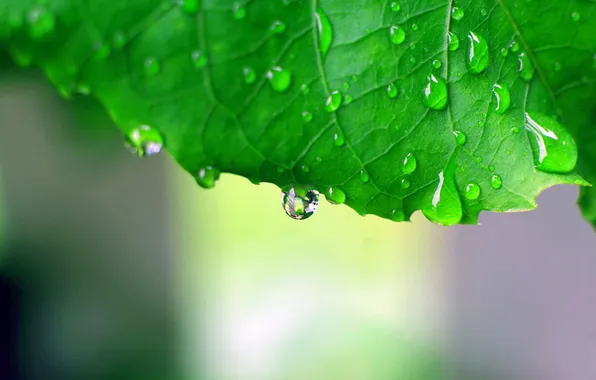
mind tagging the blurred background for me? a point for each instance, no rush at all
(113, 267)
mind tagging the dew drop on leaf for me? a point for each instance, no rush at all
(478, 53)
(364, 177)
(338, 138)
(514, 46)
(496, 182)
(460, 137)
(437, 64)
(280, 79)
(277, 27)
(348, 99)
(300, 205)
(414, 27)
(102, 51)
(409, 164)
(457, 13)
(502, 97)
(305, 168)
(397, 34)
(395, 7)
(249, 75)
(526, 69)
(151, 66)
(306, 116)
(453, 43)
(199, 59)
(335, 195)
(483, 12)
(435, 93)
(472, 191)
(553, 146)
(40, 21)
(405, 183)
(305, 89)
(397, 216)
(392, 91)
(144, 141)
(239, 11)
(445, 206)
(514, 129)
(325, 31)
(333, 101)
(575, 16)
(207, 177)
(504, 52)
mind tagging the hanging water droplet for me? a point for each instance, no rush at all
(40, 21)
(335, 195)
(392, 91)
(300, 204)
(526, 69)
(437, 64)
(338, 138)
(496, 182)
(333, 101)
(503, 97)
(190, 6)
(277, 27)
(397, 34)
(364, 177)
(207, 177)
(395, 7)
(460, 137)
(405, 183)
(435, 93)
(445, 206)
(554, 149)
(306, 116)
(575, 16)
(280, 79)
(151, 66)
(199, 59)
(409, 164)
(397, 216)
(472, 191)
(325, 31)
(250, 76)
(144, 141)
(239, 11)
(453, 44)
(457, 13)
(478, 53)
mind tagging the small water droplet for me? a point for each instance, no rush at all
(397, 216)
(333, 101)
(557, 66)
(306, 116)
(102, 51)
(575, 16)
(346, 86)
(457, 13)
(152, 66)
(472, 191)
(526, 69)
(190, 6)
(364, 177)
(483, 12)
(300, 204)
(392, 91)
(460, 137)
(239, 11)
(503, 97)
(479, 159)
(514, 46)
(412, 46)
(553, 146)
(478, 53)
(305, 89)
(437, 64)
(280, 79)
(335, 195)
(405, 183)
(144, 141)
(412, 60)
(305, 168)
(207, 177)
(250, 76)
(325, 31)
(504, 52)
(118, 40)
(445, 206)
(496, 182)
(414, 27)
(514, 129)
(338, 138)
(40, 21)
(395, 7)
(199, 59)
(453, 42)
(277, 27)
(435, 93)
(491, 168)
(348, 99)
(397, 34)
(409, 164)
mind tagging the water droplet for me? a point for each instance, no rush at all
(479, 159)
(414, 27)
(553, 146)
(207, 177)
(409, 164)
(305, 168)
(412, 60)
(190, 6)
(307, 116)
(478, 53)
(333, 101)
(405, 183)
(250, 76)
(445, 207)
(102, 51)
(575, 16)
(395, 7)
(397, 216)
(491, 168)
(503, 97)
(280, 79)
(392, 91)
(496, 182)
(199, 59)
(472, 191)
(152, 66)
(460, 137)
(346, 86)
(435, 93)
(239, 11)
(514, 46)
(144, 141)
(483, 12)
(277, 27)
(325, 31)
(40, 21)
(364, 177)
(335, 195)
(348, 99)
(300, 204)
(557, 66)
(457, 13)
(305, 89)
(397, 34)
(526, 69)
(453, 42)
(504, 52)
(514, 129)
(338, 138)
(118, 40)
(437, 64)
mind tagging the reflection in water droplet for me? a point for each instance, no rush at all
(152, 66)
(333, 101)
(503, 97)
(457, 13)
(435, 93)
(472, 191)
(277, 27)
(280, 79)
(554, 149)
(239, 11)
(409, 164)
(395, 7)
(496, 182)
(392, 91)
(306, 116)
(478, 53)
(144, 141)
(460, 137)
(325, 31)
(207, 177)
(453, 42)
(364, 177)
(335, 195)
(397, 34)
(199, 59)
(40, 21)
(445, 207)
(338, 138)
(300, 204)
(250, 76)
(526, 69)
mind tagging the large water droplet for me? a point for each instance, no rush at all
(250, 76)
(325, 31)
(392, 91)
(435, 93)
(453, 42)
(496, 182)
(333, 101)
(445, 207)
(151, 66)
(503, 97)
(526, 69)
(478, 53)
(335, 195)
(190, 6)
(472, 191)
(144, 141)
(280, 79)
(457, 13)
(40, 21)
(460, 137)
(300, 204)
(199, 59)
(409, 164)
(207, 177)
(553, 146)
(397, 34)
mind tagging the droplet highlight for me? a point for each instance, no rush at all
(40, 21)
(392, 91)
(151, 66)
(199, 59)
(445, 207)
(460, 137)
(250, 76)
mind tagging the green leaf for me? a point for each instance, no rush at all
(371, 99)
